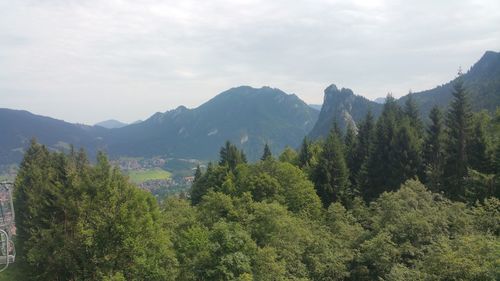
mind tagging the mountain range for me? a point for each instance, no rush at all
(482, 82)
(111, 124)
(18, 127)
(246, 116)
(249, 117)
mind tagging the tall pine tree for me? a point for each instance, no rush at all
(351, 149)
(331, 175)
(379, 174)
(479, 145)
(305, 153)
(458, 121)
(406, 153)
(231, 156)
(434, 151)
(267, 154)
(86, 223)
(411, 110)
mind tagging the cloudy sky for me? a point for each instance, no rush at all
(90, 60)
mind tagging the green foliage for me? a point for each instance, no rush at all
(459, 122)
(487, 216)
(267, 154)
(467, 257)
(412, 112)
(82, 222)
(305, 153)
(289, 155)
(434, 151)
(396, 154)
(231, 156)
(259, 221)
(331, 175)
(479, 144)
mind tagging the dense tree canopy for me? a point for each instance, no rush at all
(81, 222)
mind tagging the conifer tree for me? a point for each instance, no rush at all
(365, 139)
(86, 223)
(266, 155)
(478, 145)
(411, 110)
(434, 151)
(305, 153)
(231, 156)
(379, 174)
(406, 153)
(458, 121)
(351, 149)
(331, 175)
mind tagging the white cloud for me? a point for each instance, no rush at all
(126, 59)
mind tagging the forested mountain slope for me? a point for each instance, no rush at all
(244, 115)
(482, 82)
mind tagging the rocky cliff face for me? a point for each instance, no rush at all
(344, 107)
(482, 82)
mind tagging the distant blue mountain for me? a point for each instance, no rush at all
(246, 116)
(111, 124)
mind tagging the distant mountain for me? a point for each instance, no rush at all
(18, 127)
(344, 107)
(111, 124)
(246, 116)
(316, 106)
(482, 82)
(379, 100)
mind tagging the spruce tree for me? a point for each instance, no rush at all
(266, 155)
(458, 121)
(478, 145)
(305, 154)
(231, 156)
(379, 174)
(31, 183)
(411, 110)
(406, 153)
(331, 175)
(434, 151)
(86, 223)
(351, 149)
(365, 139)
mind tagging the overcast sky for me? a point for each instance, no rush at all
(90, 60)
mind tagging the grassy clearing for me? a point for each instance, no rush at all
(145, 175)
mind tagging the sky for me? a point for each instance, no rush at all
(85, 61)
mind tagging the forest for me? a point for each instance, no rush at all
(397, 198)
